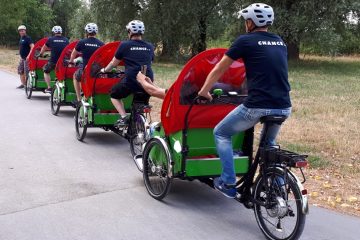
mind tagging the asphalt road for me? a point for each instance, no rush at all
(54, 187)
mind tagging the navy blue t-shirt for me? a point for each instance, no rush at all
(135, 53)
(265, 58)
(87, 47)
(57, 45)
(24, 46)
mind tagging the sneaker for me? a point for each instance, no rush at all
(75, 103)
(123, 121)
(48, 90)
(227, 190)
(20, 87)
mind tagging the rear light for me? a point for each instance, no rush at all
(304, 192)
(147, 110)
(301, 164)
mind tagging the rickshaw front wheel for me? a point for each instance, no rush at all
(28, 86)
(155, 169)
(55, 101)
(80, 123)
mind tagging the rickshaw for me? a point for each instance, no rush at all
(96, 109)
(35, 77)
(182, 147)
(63, 93)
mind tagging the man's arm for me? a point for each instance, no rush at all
(31, 47)
(73, 55)
(215, 75)
(114, 62)
(43, 49)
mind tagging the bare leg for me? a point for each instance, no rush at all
(119, 105)
(23, 79)
(77, 89)
(47, 79)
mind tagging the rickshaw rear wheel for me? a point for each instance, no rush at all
(55, 101)
(28, 86)
(282, 218)
(80, 123)
(137, 134)
(155, 169)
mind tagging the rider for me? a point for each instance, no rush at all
(25, 46)
(136, 53)
(265, 58)
(87, 47)
(56, 44)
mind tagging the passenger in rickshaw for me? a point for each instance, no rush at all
(56, 44)
(136, 53)
(87, 47)
(25, 46)
(265, 58)
(187, 94)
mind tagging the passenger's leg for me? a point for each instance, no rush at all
(240, 119)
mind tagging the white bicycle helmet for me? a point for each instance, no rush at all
(136, 27)
(21, 27)
(261, 14)
(91, 28)
(56, 29)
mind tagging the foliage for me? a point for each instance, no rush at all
(32, 13)
(65, 12)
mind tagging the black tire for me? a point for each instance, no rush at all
(80, 123)
(137, 134)
(55, 101)
(155, 169)
(290, 194)
(28, 87)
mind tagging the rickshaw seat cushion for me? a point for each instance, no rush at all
(277, 119)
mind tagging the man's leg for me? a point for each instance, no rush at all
(119, 105)
(76, 82)
(47, 69)
(120, 91)
(273, 129)
(22, 73)
(47, 79)
(239, 120)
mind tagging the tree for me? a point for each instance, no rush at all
(113, 15)
(32, 13)
(64, 12)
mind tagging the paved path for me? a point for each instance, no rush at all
(54, 187)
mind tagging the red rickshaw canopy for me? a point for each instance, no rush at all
(185, 89)
(91, 83)
(33, 62)
(62, 70)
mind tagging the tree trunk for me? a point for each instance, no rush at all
(293, 50)
(200, 43)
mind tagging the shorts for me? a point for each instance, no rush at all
(78, 74)
(49, 67)
(122, 90)
(23, 67)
